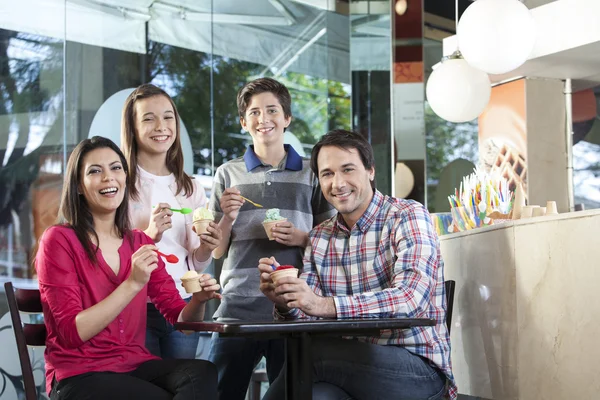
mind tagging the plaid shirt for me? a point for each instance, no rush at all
(388, 265)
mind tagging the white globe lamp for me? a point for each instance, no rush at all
(496, 36)
(456, 91)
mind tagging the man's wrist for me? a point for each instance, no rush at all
(327, 308)
(283, 310)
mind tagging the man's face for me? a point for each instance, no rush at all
(345, 182)
(265, 119)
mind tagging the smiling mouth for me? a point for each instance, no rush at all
(110, 190)
(342, 196)
(265, 130)
(162, 138)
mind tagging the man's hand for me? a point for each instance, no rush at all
(266, 266)
(297, 294)
(286, 233)
(160, 221)
(210, 289)
(231, 202)
(291, 292)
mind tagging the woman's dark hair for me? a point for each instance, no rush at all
(74, 209)
(264, 85)
(130, 146)
(345, 140)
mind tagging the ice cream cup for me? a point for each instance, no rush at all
(276, 275)
(201, 226)
(190, 282)
(268, 225)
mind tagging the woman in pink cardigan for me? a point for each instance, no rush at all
(151, 141)
(95, 275)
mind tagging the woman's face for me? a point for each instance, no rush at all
(155, 125)
(103, 181)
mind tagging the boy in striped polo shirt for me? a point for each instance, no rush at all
(274, 175)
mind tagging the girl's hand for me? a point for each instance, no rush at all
(211, 240)
(160, 221)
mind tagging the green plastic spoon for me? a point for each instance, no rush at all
(184, 210)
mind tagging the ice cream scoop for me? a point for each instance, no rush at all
(190, 282)
(202, 218)
(272, 217)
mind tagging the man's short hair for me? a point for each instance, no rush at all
(345, 140)
(264, 85)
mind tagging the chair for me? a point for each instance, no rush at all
(260, 374)
(26, 301)
(449, 286)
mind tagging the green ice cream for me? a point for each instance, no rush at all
(272, 215)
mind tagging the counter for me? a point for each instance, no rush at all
(526, 311)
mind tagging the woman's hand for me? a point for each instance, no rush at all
(286, 233)
(210, 289)
(231, 202)
(143, 262)
(160, 221)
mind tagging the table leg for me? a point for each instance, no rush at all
(298, 373)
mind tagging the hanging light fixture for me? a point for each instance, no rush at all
(401, 6)
(496, 36)
(455, 90)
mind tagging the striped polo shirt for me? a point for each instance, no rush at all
(291, 187)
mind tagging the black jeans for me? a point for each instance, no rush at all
(157, 379)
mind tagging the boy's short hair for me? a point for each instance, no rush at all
(264, 85)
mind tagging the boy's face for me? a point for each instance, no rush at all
(265, 120)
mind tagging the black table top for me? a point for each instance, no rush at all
(310, 326)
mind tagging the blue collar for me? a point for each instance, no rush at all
(293, 162)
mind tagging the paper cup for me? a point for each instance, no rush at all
(201, 226)
(527, 211)
(269, 225)
(191, 285)
(551, 208)
(276, 275)
(539, 211)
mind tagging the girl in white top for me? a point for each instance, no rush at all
(150, 138)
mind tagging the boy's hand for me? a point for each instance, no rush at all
(231, 202)
(286, 233)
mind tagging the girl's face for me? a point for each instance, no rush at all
(103, 181)
(155, 125)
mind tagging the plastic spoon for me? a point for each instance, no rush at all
(170, 258)
(250, 201)
(184, 210)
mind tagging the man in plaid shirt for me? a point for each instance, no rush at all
(379, 257)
